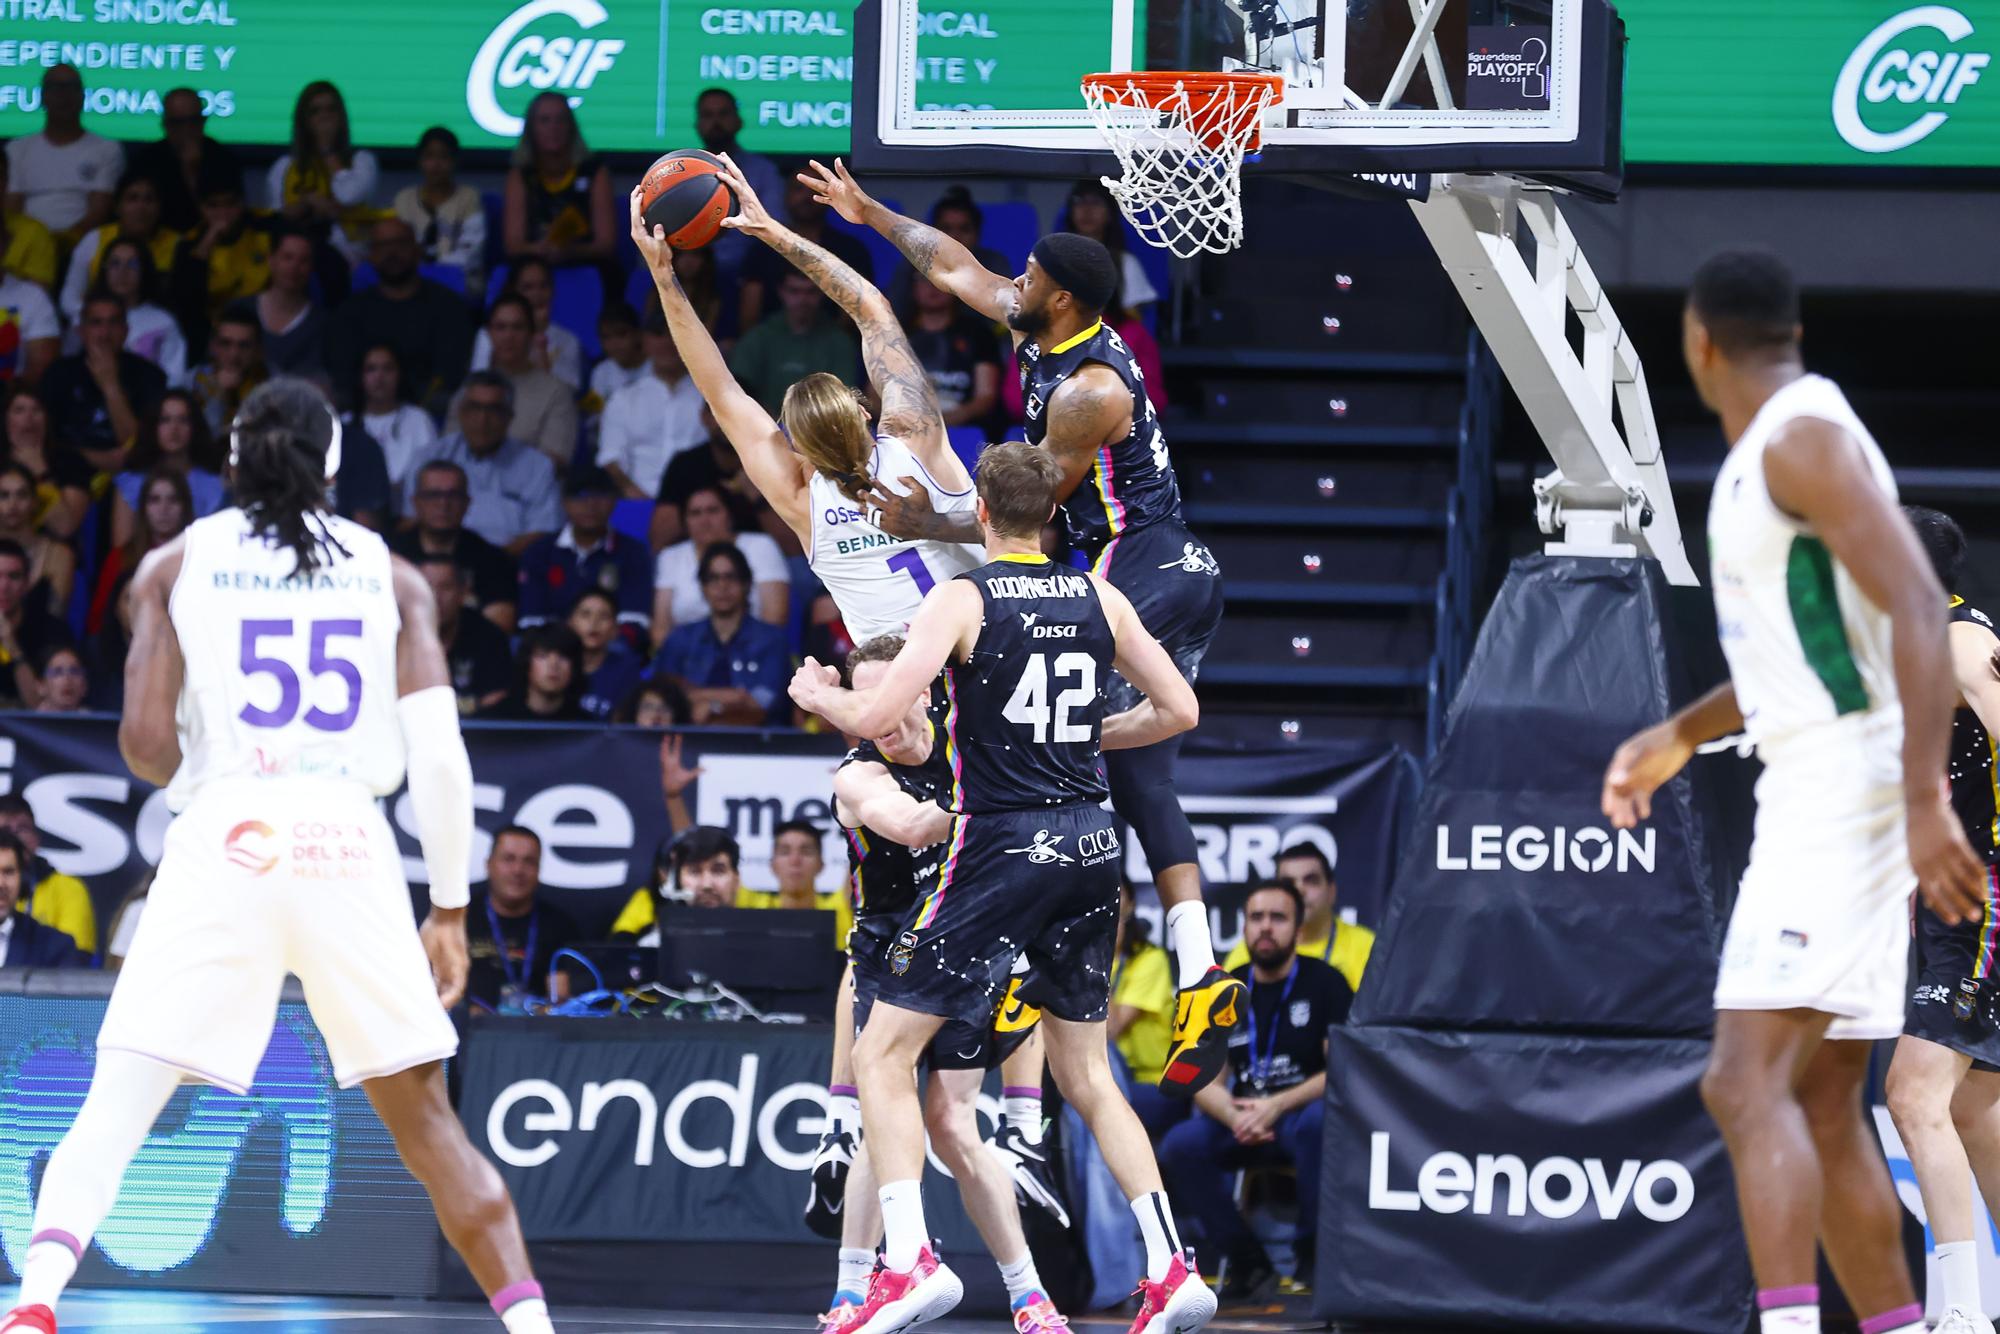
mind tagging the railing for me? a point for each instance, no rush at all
(1468, 511)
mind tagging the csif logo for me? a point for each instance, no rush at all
(510, 56)
(1661, 1191)
(1492, 847)
(1883, 66)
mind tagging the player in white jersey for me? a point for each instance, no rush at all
(284, 668)
(1834, 627)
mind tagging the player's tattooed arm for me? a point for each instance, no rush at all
(908, 514)
(1087, 411)
(153, 671)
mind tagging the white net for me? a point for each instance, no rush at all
(1180, 142)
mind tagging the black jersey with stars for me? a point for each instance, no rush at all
(1974, 794)
(885, 872)
(1023, 710)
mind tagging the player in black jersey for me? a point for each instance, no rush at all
(1086, 403)
(1944, 1083)
(1030, 867)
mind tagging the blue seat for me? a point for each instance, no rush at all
(578, 298)
(1011, 227)
(633, 518)
(445, 275)
(966, 442)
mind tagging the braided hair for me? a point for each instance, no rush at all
(279, 446)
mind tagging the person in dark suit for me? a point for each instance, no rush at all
(24, 942)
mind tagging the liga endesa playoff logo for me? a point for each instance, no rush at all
(1908, 59)
(248, 846)
(511, 56)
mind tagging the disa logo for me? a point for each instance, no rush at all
(1881, 68)
(246, 847)
(509, 58)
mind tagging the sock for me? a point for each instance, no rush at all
(1903, 1320)
(1788, 1310)
(1187, 936)
(1958, 1265)
(1024, 1111)
(51, 1263)
(856, 1267)
(843, 1108)
(521, 1308)
(903, 1230)
(1156, 1225)
(1023, 1283)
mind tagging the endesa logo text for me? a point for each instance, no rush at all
(511, 56)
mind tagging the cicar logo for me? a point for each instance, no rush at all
(248, 846)
(1917, 72)
(511, 56)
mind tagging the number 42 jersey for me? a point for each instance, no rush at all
(1023, 710)
(287, 675)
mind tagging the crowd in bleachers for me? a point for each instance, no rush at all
(517, 420)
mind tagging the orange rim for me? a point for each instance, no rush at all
(1203, 87)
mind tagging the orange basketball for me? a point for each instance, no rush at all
(685, 193)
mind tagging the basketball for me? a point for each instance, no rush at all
(684, 192)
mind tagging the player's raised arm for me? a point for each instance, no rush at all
(767, 458)
(1170, 707)
(950, 266)
(153, 670)
(872, 798)
(948, 619)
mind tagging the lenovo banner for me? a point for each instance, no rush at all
(1550, 1181)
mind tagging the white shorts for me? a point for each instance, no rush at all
(1822, 920)
(264, 878)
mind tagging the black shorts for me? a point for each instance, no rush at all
(1175, 585)
(1044, 883)
(1945, 955)
(958, 1045)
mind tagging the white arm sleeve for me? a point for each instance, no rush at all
(440, 790)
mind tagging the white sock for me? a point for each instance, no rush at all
(80, 1184)
(1789, 1320)
(1156, 1225)
(1024, 1113)
(1021, 1278)
(843, 1108)
(530, 1315)
(903, 1231)
(856, 1267)
(1187, 936)
(1958, 1264)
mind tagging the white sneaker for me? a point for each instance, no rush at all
(1963, 1322)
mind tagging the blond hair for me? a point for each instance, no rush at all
(1018, 482)
(829, 428)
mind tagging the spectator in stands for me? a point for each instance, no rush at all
(700, 279)
(1142, 1015)
(183, 159)
(558, 204)
(587, 554)
(958, 216)
(62, 478)
(447, 215)
(324, 185)
(362, 491)
(610, 666)
(137, 218)
(1346, 945)
(511, 935)
(624, 356)
(679, 592)
(805, 336)
(51, 897)
(235, 366)
(51, 563)
(98, 396)
(223, 260)
(1092, 212)
(548, 679)
(717, 122)
(293, 324)
(544, 407)
(652, 419)
(705, 864)
(660, 703)
(30, 332)
(714, 468)
(765, 269)
(439, 497)
(62, 176)
(1272, 1113)
(733, 666)
(958, 350)
(25, 942)
(151, 331)
(513, 485)
(175, 438)
(27, 251)
(551, 347)
(65, 680)
(797, 858)
(424, 321)
(399, 426)
(166, 508)
(105, 648)
(475, 649)
(27, 630)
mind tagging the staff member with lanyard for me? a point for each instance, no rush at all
(1324, 936)
(1272, 1114)
(510, 937)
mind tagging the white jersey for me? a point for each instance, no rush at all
(1805, 645)
(286, 677)
(877, 580)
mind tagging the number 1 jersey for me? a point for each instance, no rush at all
(287, 675)
(1022, 711)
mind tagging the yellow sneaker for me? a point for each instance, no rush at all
(1204, 1014)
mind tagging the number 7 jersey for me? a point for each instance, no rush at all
(287, 676)
(1022, 712)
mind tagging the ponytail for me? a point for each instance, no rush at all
(829, 428)
(280, 446)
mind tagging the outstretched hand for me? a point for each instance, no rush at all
(651, 241)
(751, 216)
(909, 516)
(675, 776)
(838, 190)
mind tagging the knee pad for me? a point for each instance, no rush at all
(1142, 793)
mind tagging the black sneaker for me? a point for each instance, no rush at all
(828, 1189)
(1034, 1176)
(1249, 1281)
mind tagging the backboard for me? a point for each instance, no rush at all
(1527, 87)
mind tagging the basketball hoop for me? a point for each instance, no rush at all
(1180, 138)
